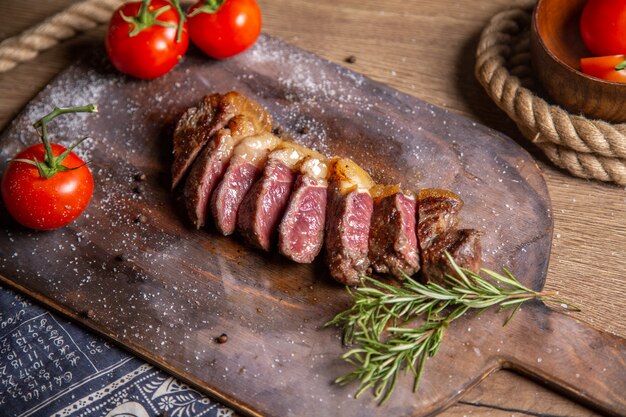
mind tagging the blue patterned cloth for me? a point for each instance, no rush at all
(51, 367)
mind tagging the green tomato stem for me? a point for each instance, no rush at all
(145, 18)
(209, 6)
(51, 164)
(181, 19)
(620, 66)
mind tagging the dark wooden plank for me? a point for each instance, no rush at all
(181, 288)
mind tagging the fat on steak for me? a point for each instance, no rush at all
(263, 206)
(210, 166)
(245, 167)
(198, 125)
(301, 231)
(348, 216)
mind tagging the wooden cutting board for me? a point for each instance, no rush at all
(176, 289)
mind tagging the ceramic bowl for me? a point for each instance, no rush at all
(556, 48)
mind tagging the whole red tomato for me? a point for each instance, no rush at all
(223, 28)
(46, 203)
(605, 67)
(603, 26)
(146, 39)
(47, 186)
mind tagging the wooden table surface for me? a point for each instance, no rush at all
(425, 48)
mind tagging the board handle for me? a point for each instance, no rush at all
(570, 356)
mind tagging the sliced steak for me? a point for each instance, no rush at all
(234, 103)
(437, 212)
(348, 218)
(244, 169)
(301, 231)
(464, 247)
(393, 239)
(264, 205)
(193, 131)
(198, 124)
(210, 166)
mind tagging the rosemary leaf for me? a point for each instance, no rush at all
(385, 345)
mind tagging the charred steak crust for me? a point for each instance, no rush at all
(193, 131)
(208, 169)
(204, 174)
(234, 103)
(464, 247)
(393, 239)
(347, 233)
(198, 125)
(437, 212)
(359, 224)
(263, 206)
(301, 231)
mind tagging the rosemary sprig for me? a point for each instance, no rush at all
(384, 349)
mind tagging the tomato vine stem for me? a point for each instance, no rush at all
(209, 6)
(146, 18)
(181, 19)
(53, 164)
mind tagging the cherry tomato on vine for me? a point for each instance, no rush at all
(603, 26)
(47, 186)
(610, 68)
(223, 28)
(147, 39)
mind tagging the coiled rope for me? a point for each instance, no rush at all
(77, 18)
(586, 148)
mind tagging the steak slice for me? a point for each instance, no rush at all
(193, 131)
(234, 103)
(301, 231)
(264, 205)
(393, 239)
(244, 169)
(464, 247)
(210, 166)
(198, 124)
(348, 216)
(437, 212)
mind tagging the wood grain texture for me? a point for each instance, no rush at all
(556, 47)
(425, 49)
(176, 289)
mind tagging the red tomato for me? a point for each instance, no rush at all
(224, 28)
(46, 203)
(603, 26)
(153, 50)
(604, 67)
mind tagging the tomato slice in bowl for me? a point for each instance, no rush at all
(609, 68)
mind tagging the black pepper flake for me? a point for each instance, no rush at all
(304, 130)
(140, 176)
(141, 219)
(223, 338)
(122, 257)
(139, 189)
(258, 310)
(351, 59)
(88, 314)
(278, 130)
